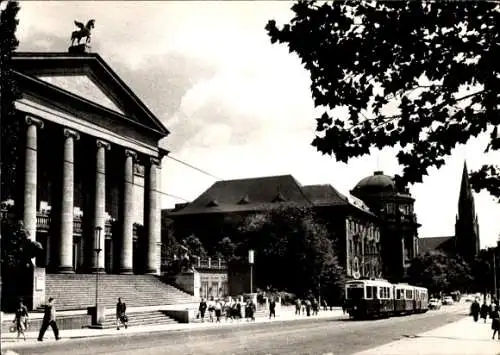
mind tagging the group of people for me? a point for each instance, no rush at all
(484, 311)
(229, 309)
(21, 318)
(308, 306)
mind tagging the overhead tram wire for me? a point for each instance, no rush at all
(194, 167)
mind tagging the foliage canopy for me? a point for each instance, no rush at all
(293, 252)
(440, 272)
(419, 76)
(9, 93)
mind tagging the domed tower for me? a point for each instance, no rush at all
(399, 235)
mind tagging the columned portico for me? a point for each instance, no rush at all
(30, 175)
(100, 205)
(127, 226)
(67, 212)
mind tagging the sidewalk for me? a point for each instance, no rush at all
(9, 340)
(459, 338)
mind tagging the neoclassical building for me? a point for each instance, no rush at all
(91, 159)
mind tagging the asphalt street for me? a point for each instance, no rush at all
(308, 336)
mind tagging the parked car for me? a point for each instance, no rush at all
(434, 303)
(469, 298)
(448, 300)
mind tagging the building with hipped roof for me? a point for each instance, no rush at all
(353, 226)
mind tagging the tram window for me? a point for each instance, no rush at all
(369, 292)
(409, 294)
(355, 293)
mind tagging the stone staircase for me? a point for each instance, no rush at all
(135, 319)
(77, 291)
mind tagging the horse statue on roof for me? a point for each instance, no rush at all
(84, 31)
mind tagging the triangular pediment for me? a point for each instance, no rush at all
(89, 77)
(83, 86)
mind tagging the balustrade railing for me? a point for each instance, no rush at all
(211, 263)
(43, 221)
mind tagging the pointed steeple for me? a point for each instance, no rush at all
(466, 226)
(465, 189)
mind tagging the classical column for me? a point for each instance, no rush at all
(99, 205)
(151, 214)
(67, 205)
(127, 230)
(30, 176)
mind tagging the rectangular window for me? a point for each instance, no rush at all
(369, 292)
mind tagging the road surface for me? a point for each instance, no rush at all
(308, 336)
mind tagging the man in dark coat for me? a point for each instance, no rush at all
(121, 316)
(202, 309)
(49, 319)
(485, 310)
(474, 310)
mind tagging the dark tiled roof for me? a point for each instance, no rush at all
(327, 195)
(253, 194)
(436, 243)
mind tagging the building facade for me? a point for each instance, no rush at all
(399, 226)
(351, 223)
(89, 148)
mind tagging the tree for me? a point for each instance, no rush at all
(10, 122)
(226, 249)
(293, 252)
(439, 272)
(436, 63)
(16, 263)
(195, 246)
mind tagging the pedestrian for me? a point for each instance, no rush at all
(21, 320)
(315, 307)
(474, 310)
(298, 305)
(272, 308)
(121, 316)
(308, 307)
(218, 311)
(325, 305)
(211, 309)
(495, 321)
(484, 311)
(49, 319)
(202, 309)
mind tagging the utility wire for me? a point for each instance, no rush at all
(194, 167)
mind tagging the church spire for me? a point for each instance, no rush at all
(465, 189)
(466, 226)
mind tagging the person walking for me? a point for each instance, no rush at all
(298, 305)
(211, 309)
(495, 321)
(49, 319)
(121, 316)
(474, 310)
(272, 308)
(218, 310)
(21, 320)
(484, 311)
(202, 309)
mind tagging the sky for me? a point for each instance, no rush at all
(236, 105)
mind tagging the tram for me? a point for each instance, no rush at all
(380, 298)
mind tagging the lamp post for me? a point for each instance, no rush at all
(250, 261)
(97, 249)
(495, 291)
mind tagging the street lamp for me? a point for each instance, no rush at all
(250, 261)
(97, 249)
